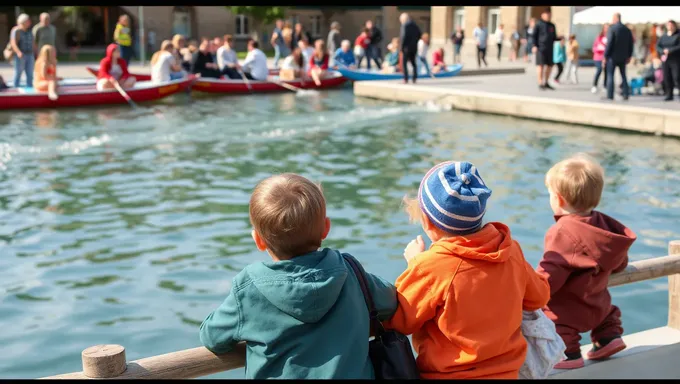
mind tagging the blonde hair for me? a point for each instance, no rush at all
(176, 39)
(46, 55)
(579, 180)
(288, 211)
(167, 46)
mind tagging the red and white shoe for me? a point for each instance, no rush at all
(602, 352)
(570, 364)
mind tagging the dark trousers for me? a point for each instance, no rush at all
(671, 76)
(598, 72)
(500, 48)
(609, 327)
(611, 66)
(373, 52)
(409, 57)
(248, 76)
(231, 73)
(481, 56)
(126, 53)
(560, 68)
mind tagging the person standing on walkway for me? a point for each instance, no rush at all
(299, 33)
(599, 46)
(481, 36)
(545, 37)
(423, 47)
(280, 49)
(669, 47)
(514, 44)
(44, 33)
(21, 41)
(572, 59)
(499, 36)
(408, 39)
(374, 51)
(457, 39)
(122, 36)
(529, 38)
(617, 54)
(334, 41)
(559, 57)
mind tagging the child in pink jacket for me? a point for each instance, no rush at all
(598, 57)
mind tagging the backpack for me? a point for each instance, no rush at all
(545, 347)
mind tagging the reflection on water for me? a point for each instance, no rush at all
(121, 227)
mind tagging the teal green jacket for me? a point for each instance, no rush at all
(303, 318)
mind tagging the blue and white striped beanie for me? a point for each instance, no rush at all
(453, 196)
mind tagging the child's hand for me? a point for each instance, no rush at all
(414, 248)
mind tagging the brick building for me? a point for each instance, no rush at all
(444, 21)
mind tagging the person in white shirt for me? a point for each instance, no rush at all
(163, 64)
(255, 64)
(227, 61)
(293, 66)
(423, 47)
(499, 40)
(307, 52)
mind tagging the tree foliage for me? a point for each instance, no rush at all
(260, 15)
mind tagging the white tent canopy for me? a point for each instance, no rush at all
(632, 15)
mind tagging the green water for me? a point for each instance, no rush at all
(120, 227)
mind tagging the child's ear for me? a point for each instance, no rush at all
(327, 223)
(560, 200)
(259, 241)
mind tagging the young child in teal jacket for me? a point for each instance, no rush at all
(559, 57)
(302, 315)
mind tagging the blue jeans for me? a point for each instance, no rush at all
(611, 66)
(280, 52)
(126, 53)
(25, 64)
(422, 62)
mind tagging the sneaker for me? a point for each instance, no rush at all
(556, 81)
(604, 348)
(573, 361)
(593, 90)
(548, 86)
(541, 87)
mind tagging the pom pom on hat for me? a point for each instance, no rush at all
(453, 196)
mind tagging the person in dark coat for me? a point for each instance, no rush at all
(299, 33)
(374, 51)
(617, 54)
(668, 47)
(202, 61)
(408, 39)
(544, 39)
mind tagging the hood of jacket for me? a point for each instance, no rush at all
(598, 235)
(305, 287)
(492, 243)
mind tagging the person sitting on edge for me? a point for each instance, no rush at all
(344, 55)
(582, 249)
(391, 61)
(318, 63)
(438, 64)
(45, 75)
(202, 61)
(113, 70)
(227, 60)
(164, 67)
(302, 315)
(255, 64)
(468, 263)
(292, 67)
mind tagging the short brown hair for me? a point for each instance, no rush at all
(228, 38)
(579, 180)
(288, 211)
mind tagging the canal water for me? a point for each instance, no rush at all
(125, 227)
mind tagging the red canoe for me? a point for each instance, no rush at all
(145, 77)
(204, 84)
(88, 95)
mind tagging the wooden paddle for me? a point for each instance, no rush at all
(124, 94)
(287, 86)
(245, 79)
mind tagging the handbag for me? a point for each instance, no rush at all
(545, 347)
(8, 52)
(390, 351)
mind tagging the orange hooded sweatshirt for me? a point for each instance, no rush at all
(463, 299)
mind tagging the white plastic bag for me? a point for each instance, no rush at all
(545, 346)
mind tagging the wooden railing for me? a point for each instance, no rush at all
(108, 361)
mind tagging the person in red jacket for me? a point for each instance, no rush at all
(361, 44)
(318, 62)
(113, 69)
(582, 249)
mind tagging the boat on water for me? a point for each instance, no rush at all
(364, 74)
(273, 84)
(88, 95)
(147, 77)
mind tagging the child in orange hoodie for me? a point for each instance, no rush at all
(463, 298)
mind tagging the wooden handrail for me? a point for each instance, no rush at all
(198, 362)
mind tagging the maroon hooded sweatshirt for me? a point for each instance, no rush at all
(581, 252)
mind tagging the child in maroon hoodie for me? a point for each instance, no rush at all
(582, 249)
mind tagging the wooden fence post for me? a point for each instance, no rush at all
(104, 361)
(674, 290)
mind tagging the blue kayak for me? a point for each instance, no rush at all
(363, 74)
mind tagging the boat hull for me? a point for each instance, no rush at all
(209, 85)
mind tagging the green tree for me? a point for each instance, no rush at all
(259, 16)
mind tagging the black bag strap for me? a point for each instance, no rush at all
(359, 272)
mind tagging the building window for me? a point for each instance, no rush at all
(379, 22)
(316, 25)
(494, 19)
(181, 21)
(242, 25)
(459, 19)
